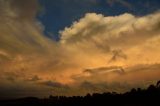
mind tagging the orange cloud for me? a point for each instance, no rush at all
(28, 58)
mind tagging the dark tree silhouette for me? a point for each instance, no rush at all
(158, 84)
(136, 97)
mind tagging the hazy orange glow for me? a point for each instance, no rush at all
(121, 50)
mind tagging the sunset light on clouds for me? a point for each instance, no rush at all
(94, 53)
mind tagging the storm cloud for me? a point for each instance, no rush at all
(94, 52)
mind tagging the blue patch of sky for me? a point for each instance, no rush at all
(59, 14)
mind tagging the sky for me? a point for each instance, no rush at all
(58, 14)
(75, 47)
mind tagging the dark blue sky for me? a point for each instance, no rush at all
(57, 14)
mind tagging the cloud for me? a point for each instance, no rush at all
(30, 60)
(98, 36)
(111, 30)
(140, 75)
(54, 84)
(101, 87)
(116, 55)
(103, 70)
(19, 9)
(20, 32)
(34, 78)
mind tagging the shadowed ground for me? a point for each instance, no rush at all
(135, 97)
